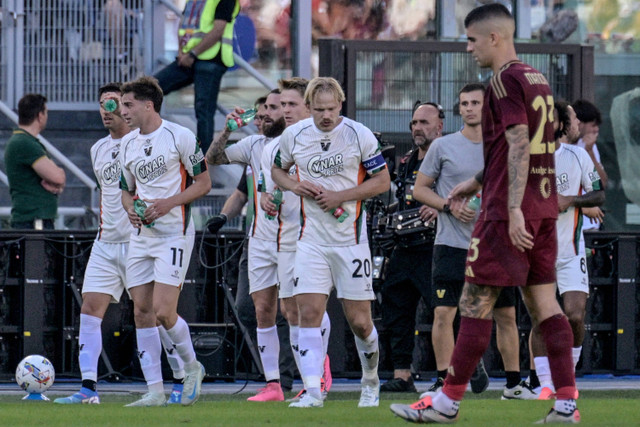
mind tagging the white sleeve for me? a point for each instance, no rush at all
(588, 172)
(283, 158)
(240, 152)
(191, 154)
(372, 158)
(127, 180)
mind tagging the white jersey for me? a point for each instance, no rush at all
(114, 222)
(575, 175)
(248, 151)
(288, 218)
(336, 160)
(586, 222)
(160, 165)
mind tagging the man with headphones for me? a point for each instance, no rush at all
(409, 274)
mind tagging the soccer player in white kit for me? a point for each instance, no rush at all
(287, 216)
(578, 184)
(263, 262)
(104, 279)
(333, 155)
(163, 165)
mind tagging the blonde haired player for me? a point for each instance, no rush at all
(333, 155)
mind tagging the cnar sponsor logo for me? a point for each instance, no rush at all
(319, 167)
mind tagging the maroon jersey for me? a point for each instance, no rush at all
(518, 94)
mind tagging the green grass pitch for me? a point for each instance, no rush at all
(598, 408)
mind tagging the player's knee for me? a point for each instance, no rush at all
(265, 313)
(576, 318)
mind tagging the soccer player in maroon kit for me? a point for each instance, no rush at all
(514, 240)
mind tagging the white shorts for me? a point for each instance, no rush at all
(263, 264)
(106, 269)
(572, 274)
(286, 273)
(347, 268)
(158, 259)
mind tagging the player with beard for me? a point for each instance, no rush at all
(263, 244)
(408, 277)
(294, 109)
(578, 185)
(514, 240)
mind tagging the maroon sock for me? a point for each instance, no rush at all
(558, 339)
(473, 339)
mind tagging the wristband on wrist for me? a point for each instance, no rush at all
(193, 54)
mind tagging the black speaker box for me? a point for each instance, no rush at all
(215, 347)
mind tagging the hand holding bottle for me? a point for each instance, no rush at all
(276, 199)
(235, 121)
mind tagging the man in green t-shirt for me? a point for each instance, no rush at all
(34, 180)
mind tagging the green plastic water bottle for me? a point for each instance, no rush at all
(339, 213)
(277, 200)
(140, 207)
(474, 202)
(110, 105)
(245, 118)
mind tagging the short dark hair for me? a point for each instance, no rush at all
(145, 88)
(472, 87)
(29, 107)
(109, 87)
(562, 107)
(587, 111)
(294, 83)
(485, 12)
(260, 101)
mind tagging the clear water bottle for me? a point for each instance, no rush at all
(339, 213)
(474, 202)
(277, 200)
(245, 118)
(110, 105)
(140, 207)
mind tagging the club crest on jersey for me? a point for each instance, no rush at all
(319, 167)
(111, 173)
(325, 143)
(149, 171)
(147, 147)
(114, 153)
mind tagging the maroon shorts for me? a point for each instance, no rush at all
(493, 260)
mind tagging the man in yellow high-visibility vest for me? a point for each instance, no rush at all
(206, 51)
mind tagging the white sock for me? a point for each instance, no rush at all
(311, 359)
(294, 331)
(269, 346)
(543, 371)
(369, 355)
(325, 331)
(576, 356)
(176, 363)
(181, 339)
(149, 351)
(90, 341)
(443, 403)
